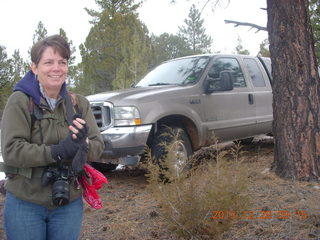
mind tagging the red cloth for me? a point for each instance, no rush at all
(90, 188)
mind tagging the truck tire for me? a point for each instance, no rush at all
(174, 142)
(104, 167)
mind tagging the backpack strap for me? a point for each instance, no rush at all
(75, 102)
(74, 98)
(35, 111)
(31, 110)
(36, 114)
(72, 107)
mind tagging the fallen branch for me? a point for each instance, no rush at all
(259, 28)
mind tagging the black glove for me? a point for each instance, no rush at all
(66, 149)
(82, 133)
(80, 158)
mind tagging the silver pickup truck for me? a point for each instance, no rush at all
(201, 97)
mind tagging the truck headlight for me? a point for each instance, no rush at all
(126, 116)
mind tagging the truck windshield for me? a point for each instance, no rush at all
(176, 72)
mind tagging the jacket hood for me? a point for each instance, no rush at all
(30, 86)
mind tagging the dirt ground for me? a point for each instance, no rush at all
(281, 209)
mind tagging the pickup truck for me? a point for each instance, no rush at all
(200, 98)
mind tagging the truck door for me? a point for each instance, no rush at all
(262, 94)
(231, 114)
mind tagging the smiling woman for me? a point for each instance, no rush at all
(44, 156)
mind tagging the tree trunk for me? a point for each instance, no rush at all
(295, 90)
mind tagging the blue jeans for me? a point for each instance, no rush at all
(28, 221)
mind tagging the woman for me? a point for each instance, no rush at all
(44, 198)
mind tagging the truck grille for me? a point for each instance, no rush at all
(102, 113)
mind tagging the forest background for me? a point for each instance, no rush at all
(119, 50)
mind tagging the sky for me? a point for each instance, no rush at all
(19, 20)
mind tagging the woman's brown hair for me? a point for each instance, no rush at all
(57, 42)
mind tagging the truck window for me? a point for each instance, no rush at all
(266, 62)
(255, 72)
(175, 72)
(228, 64)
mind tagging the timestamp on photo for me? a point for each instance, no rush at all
(260, 214)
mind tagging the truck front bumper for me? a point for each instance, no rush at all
(124, 142)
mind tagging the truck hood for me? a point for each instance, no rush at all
(132, 95)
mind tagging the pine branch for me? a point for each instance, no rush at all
(259, 28)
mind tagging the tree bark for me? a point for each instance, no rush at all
(296, 88)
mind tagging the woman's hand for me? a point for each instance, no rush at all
(79, 130)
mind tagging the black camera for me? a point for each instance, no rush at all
(59, 177)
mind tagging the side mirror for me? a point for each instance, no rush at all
(226, 81)
(223, 83)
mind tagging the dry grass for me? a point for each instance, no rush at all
(282, 209)
(192, 199)
(278, 209)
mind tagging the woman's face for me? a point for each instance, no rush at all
(52, 71)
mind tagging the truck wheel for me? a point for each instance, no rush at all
(173, 146)
(104, 167)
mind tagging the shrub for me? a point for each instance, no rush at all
(188, 200)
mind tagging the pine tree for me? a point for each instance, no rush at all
(17, 67)
(72, 66)
(5, 68)
(296, 87)
(314, 9)
(117, 50)
(5, 77)
(194, 32)
(168, 46)
(264, 49)
(239, 48)
(40, 33)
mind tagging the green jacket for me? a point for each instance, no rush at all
(21, 146)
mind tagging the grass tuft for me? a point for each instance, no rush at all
(197, 202)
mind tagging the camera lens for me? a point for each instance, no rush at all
(60, 192)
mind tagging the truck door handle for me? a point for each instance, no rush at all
(250, 98)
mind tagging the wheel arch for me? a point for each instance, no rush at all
(178, 121)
